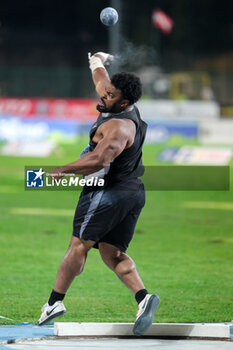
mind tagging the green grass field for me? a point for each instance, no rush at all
(183, 253)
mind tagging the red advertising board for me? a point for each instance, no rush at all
(81, 109)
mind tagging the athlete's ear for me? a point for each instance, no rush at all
(124, 103)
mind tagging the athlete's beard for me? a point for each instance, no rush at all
(103, 109)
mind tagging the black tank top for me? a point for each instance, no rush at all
(129, 163)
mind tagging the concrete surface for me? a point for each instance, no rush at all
(123, 344)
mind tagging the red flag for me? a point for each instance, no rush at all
(162, 21)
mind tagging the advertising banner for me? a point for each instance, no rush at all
(197, 155)
(85, 109)
(37, 129)
(159, 132)
(81, 109)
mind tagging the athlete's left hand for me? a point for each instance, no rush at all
(106, 58)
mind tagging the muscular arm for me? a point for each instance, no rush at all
(116, 137)
(100, 77)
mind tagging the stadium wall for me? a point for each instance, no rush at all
(23, 119)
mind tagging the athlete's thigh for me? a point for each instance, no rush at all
(99, 213)
(122, 233)
(75, 241)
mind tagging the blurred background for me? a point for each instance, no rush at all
(182, 51)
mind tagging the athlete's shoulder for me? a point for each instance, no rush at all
(119, 124)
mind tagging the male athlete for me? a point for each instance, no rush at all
(105, 217)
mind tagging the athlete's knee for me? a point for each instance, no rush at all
(124, 265)
(109, 254)
(116, 260)
(80, 247)
(77, 253)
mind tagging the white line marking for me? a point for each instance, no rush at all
(209, 205)
(42, 211)
(7, 318)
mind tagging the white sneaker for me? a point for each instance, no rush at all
(50, 312)
(145, 314)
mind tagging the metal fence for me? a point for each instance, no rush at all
(45, 82)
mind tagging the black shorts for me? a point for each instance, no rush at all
(109, 214)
